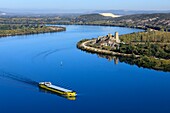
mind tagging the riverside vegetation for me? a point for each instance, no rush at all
(16, 25)
(23, 29)
(152, 49)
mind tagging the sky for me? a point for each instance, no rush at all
(87, 4)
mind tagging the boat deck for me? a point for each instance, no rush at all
(59, 88)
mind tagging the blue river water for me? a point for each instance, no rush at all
(102, 85)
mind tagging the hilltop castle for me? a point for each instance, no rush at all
(114, 38)
(109, 40)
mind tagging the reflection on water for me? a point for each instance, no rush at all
(117, 59)
(127, 60)
(110, 58)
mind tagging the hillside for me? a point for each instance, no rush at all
(91, 17)
(155, 21)
(160, 21)
(131, 12)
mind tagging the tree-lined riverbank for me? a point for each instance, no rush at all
(150, 53)
(25, 29)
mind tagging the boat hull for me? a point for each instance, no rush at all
(68, 94)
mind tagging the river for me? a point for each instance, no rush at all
(102, 85)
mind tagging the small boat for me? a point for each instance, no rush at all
(56, 89)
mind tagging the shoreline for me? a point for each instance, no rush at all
(105, 25)
(83, 46)
(111, 25)
(135, 59)
(19, 32)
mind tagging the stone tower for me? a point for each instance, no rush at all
(117, 37)
(110, 35)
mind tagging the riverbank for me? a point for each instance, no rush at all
(12, 30)
(145, 53)
(83, 45)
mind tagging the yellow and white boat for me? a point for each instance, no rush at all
(56, 89)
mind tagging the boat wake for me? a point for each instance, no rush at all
(18, 78)
(47, 53)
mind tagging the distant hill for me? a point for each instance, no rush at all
(110, 15)
(156, 21)
(92, 17)
(131, 12)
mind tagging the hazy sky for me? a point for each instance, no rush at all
(87, 4)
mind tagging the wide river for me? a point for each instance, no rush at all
(102, 86)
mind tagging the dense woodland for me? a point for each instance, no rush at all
(153, 43)
(152, 46)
